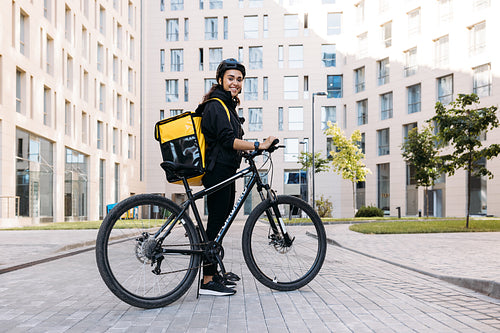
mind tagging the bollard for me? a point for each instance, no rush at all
(399, 212)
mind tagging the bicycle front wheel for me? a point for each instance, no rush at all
(277, 261)
(127, 251)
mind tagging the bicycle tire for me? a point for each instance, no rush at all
(274, 264)
(124, 242)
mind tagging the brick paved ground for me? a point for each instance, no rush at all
(353, 293)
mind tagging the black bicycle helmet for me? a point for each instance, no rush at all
(230, 63)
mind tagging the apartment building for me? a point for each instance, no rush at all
(70, 119)
(383, 65)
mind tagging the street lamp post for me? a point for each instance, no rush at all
(320, 93)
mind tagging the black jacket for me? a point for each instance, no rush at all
(218, 131)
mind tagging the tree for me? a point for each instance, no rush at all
(347, 158)
(419, 150)
(461, 125)
(320, 163)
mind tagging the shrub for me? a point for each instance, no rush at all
(324, 207)
(369, 211)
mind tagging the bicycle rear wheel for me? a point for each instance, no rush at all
(127, 252)
(276, 263)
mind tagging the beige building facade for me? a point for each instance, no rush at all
(382, 64)
(69, 108)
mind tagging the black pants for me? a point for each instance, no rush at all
(219, 204)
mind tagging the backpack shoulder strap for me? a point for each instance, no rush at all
(223, 104)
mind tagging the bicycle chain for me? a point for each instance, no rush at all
(187, 269)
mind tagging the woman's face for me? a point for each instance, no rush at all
(232, 81)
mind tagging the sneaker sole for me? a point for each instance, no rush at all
(215, 293)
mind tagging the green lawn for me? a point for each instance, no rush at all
(124, 224)
(427, 226)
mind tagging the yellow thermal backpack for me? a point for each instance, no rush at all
(183, 143)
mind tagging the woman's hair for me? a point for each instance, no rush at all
(209, 93)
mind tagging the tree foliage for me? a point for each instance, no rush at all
(347, 158)
(320, 164)
(461, 125)
(419, 150)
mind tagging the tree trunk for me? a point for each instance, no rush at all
(426, 202)
(469, 177)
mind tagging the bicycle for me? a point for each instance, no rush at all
(149, 251)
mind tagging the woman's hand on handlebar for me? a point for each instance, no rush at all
(268, 142)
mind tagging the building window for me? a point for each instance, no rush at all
(251, 89)
(291, 149)
(410, 62)
(334, 21)
(255, 57)
(386, 106)
(280, 119)
(67, 118)
(214, 58)
(251, 27)
(255, 121)
(201, 59)
(130, 152)
(295, 118)
(172, 32)
(130, 80)
(102, 173)
(383, 71)
(102, 97)
(359, 79)
(445, 89)
(117, 182)
(208, 84)
(291, 87)
(384, 186)
(34, 175)
(482, 80)
(265, 26)
(295, 56)
(119, 103)
(69, 72)
(256, 3)
(119, 37)
(116, 69)
(414, 23)
(334, 86)
(360, 12)
(50, 55)
(115, 146)
(20, 91)
(175, 112)
(68, 24)
(265, 93)
(406, 130)
(387, 34)
(102, 20)
(383, 140)
(186, 29)
(226, 27)
(477, 38)
(186, 90)
(24, 34)
(328, 55)
(291, 25)
(172, 90)
(100, 135)
(211, 28)
(100, 57)
(445, 11)
(328, 114)
(414, 104)
(362, 108)
(47, 106)
(47, 9)
(362, 143)
(176, 4)
(215, 4)
(131, 114)
(442, 51)
(481, 4)
(162, 60)
(362, 45)
(280, 56)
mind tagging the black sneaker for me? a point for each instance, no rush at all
(230, 276)
(226, 282)
(216, 289)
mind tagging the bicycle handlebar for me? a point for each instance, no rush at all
(274, 146)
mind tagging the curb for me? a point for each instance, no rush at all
(486, 287)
